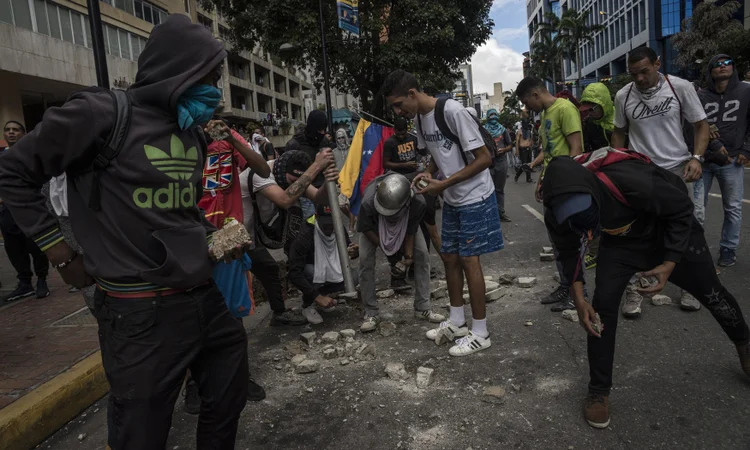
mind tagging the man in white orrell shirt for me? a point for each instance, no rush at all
(651, 110)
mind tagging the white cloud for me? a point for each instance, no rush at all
(507, 34)
(495, 62)
(500, 4)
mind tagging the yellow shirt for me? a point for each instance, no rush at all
(557, 122)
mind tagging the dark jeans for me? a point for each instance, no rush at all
(147, 347)
(323, 288)
(695, 273)
(267, 270)
(499, 173)
(21, 250)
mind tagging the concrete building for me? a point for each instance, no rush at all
(482, 104)
(497, 99)
(628, 24)
(45, 54)
(463, 91)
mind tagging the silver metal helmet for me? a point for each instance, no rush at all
(393, 192)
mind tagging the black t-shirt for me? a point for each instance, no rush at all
(398, 151)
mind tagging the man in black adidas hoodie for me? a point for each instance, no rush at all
(147, 246)
(650, 231)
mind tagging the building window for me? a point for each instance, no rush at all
(146, 11)
(206, 22)
(555, 6)
(21, 14)
(223, 32)
(670, 17)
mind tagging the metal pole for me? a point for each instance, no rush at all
(333, 198)
(97, 44)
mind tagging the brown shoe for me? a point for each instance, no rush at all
(596, 410)
(743, 350)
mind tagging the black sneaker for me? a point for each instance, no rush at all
(529, 180)
(504, 218)
(519, 171)
(288, 317)
(399, 285)
(255, 392)
(22, 290)
(41, 288)
(563, 305)
(192, 399)
(558, 295)
(727, 258)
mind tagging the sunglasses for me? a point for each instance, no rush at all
(725, 63)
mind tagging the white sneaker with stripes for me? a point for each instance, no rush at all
(469, 344)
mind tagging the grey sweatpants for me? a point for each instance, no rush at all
(367, 258)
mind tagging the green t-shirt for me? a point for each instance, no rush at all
(558, 121)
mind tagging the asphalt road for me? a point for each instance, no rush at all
(678, 383)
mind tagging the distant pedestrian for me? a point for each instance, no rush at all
(21, 250)
(499, 168)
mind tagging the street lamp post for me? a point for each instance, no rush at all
(97, 44)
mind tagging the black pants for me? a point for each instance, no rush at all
(147, 347)
(499, 172)
(695, 273)
(21, 250)
(267, 270)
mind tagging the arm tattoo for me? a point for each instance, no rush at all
(298, 187)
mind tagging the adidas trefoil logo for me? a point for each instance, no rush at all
(179, 165)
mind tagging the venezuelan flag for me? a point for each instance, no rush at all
(364, 162)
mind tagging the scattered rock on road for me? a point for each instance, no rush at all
(570, 314)
(308, 338)
(490, 286)
(494, 394)
(546, 257)
(526, 282)
(329, 353)
(366, 351)
(307, 366)
(506, 279)
(387, 293)
(493, 295)
(528, 323)
(424, 377)
(547, 250)
(396, 371)
(661, 300)
(298, 359)
(387, 329)
(331, 337)
(348, 333)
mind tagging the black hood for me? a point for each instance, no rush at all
(565, 176)
(733, 81)
(177, 55)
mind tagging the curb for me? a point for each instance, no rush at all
(35, 416)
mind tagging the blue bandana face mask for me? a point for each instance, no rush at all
(197, 105)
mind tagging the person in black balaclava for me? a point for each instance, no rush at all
(650, 232)
(312, 138)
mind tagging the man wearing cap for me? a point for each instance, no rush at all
(651, 233)
(314, 266)
(389, 218)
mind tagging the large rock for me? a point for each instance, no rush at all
(396, 371)
(490, 286)
(506, 279)
(492, 296)
(348, 333)
(331, 337)
(494, 394)
(424, 377)
(526, 282)
(661, 300)
(307, 366)
(297, 359)
(308, 338)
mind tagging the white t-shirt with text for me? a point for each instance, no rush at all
(654, 121)
(447, 156)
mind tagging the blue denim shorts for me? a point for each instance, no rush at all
(472, 230)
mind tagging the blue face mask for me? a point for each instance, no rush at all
(197, 105)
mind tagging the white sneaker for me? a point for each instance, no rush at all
(631, 308)
(370, 324)
(312, 315)
(469, 344)
(449, 330)
(429, 316)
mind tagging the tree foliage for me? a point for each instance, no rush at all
(575, 31)
(430, 39)
(712, 29)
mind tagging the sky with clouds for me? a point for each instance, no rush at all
(500, 58)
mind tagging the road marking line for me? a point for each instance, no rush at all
(534, 212)
(719, 196)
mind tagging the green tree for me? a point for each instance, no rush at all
(545, 58)
(711, 30)
(430, 39)
(574, 31)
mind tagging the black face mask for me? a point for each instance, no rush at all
(326, 228)
(314, 138)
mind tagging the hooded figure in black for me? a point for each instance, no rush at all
(312, 137)
(653, 234)
(147, 246)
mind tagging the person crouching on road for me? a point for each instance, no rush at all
(389, 218)
(314, 265)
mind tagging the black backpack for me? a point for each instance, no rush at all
(283, 227)
(86, 178)
(442, 125)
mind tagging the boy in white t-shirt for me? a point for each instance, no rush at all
(651, 110)
(471, 222)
